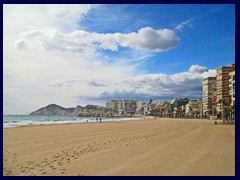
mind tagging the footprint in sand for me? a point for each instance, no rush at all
(8, 171)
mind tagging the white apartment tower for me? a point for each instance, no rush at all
(209, 92)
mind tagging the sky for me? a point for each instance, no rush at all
(86, 54)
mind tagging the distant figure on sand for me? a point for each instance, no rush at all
(100, 119)
(97, 119)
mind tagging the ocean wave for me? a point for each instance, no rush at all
(17, 121)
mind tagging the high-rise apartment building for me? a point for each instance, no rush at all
(112, 104)
(223, 85)
(209, 92)
(125, 106)
(129, 105)
(232, 87)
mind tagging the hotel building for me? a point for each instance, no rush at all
(223, 83)
(209, 92)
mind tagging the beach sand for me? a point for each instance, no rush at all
(151, 147)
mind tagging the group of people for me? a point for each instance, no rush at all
(100, 119)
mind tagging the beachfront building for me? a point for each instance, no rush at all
(115, 105)
(161, 109)
(223, 96)
(120, 107)
(194, 108)
(139, 105)
(175, 107)
(209, 92)
(177, 103)
(112, 104)
(157, 103)
(129, 106)
(146, 109)
(139, 108)
(232, 88)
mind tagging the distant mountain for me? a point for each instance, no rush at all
(89, 110)
(77, 110)
(53, 109)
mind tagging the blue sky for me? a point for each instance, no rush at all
(86, 54)
(208, 40)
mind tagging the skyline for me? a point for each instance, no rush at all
(86, 54)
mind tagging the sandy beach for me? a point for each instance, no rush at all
(154, 147)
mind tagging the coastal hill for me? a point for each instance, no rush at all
(89, 110)
(53, 109)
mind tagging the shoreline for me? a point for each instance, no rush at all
(114, 119)
(108, 121)
(149, 147)
(63, 120)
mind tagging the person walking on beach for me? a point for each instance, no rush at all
(97, 119)
(100, 119)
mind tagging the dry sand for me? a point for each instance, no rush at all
(144, 147)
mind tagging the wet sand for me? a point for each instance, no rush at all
(160, 147)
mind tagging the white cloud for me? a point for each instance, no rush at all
(150, 39)
(156, 86)
(181, 25)
(68, 12)
(198, 69)
(187, 84)
(87, 43)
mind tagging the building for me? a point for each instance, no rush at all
(193, 107)
(209, 92)
(177, 103)
(157, 102)
(129, 106)
(232, 88)
(223, 83)
(147, 109)
(112, 104)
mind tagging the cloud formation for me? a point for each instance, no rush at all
(150, 39)
(145, 86)
(183, 24)
(185, 84)
(198, 69)
(88, 43)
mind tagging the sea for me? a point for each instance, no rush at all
(10, 121)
